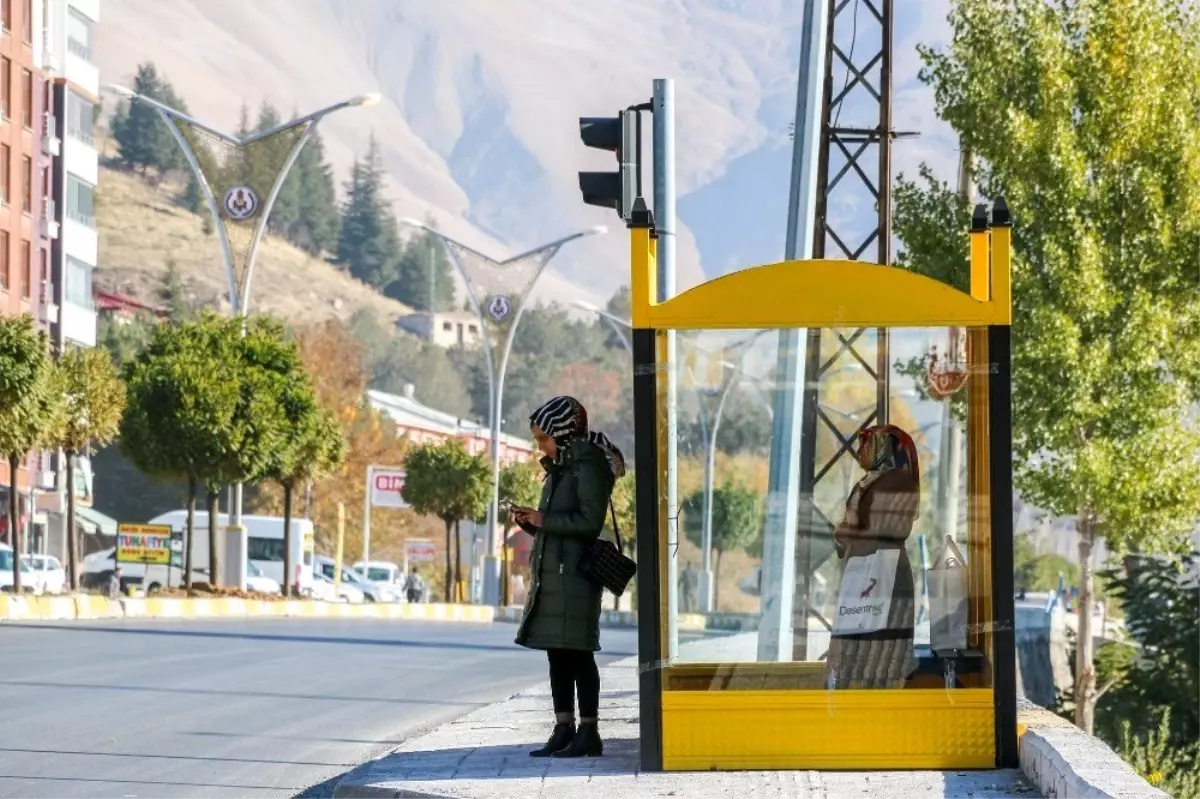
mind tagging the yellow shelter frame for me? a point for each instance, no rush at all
(769, 726)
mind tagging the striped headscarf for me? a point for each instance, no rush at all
(881, 449)
(565, 419)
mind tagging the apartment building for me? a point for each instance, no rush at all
(21, 279)
(66, 172)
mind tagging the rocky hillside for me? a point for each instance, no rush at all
(479, 120)
(143, 230)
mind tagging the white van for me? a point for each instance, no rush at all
(264, 546)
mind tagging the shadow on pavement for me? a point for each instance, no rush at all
(300, 738)
(304, 639)
(143, 756)
(167, 783)
(215, 692)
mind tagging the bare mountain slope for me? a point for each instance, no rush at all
(481, 99)
(142, 230)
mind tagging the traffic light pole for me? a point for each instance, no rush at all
(663, 108)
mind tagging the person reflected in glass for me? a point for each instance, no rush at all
(872, 641)
(562, 610)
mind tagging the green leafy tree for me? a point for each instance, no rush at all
(1083, 117)
(1146, 707)
(312, 443)
(736, 522)
(369, 245)
(424, 277)
(520, 485)
(1034, 571)
(30, 410)
(446, 481)
(143, 140)
(182, 400)
(93, 399)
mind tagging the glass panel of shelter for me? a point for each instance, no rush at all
(869, 601)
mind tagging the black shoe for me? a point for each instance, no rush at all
(561, 738)
(586, 743)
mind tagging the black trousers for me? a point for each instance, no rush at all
(572, 670)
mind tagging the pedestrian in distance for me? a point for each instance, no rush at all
(414, 586)
(562, 610)
(114, 584)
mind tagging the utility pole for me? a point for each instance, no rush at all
(779, 577)
(861, 141)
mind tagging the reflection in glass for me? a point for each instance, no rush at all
(726, 383)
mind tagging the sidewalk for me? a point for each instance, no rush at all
(486, 754)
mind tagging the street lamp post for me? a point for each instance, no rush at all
(499, 291)
(239, 216)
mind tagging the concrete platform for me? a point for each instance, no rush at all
(486, 754)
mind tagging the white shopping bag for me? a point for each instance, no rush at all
(947, 580)
(865, 594)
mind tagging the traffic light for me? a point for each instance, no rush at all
(620, 135)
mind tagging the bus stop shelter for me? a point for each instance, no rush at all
(955, 709)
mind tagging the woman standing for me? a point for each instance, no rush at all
(562, 612)
(880, 513)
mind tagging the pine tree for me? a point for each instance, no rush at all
(316, 229)
(143, 140)
(266, 159)
(413, 285)
(369, 246)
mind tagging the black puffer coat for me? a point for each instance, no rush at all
(563, 608)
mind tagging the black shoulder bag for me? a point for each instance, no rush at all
(605, 564)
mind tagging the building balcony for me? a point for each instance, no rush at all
(78, 324)
(80, 70)
(81, 160)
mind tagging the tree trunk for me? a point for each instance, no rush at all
(189, 543)
(72, 538)
(214, 554)
(449, 578)
(14, 528)
(716, 583)
(458, 597)
(1085, 660)
(287, 538)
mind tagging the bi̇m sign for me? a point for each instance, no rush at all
(385, 485)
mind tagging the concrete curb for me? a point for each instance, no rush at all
(621, 619)
(1064, 761)
(84, 607)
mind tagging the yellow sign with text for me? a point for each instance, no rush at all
(144, 543)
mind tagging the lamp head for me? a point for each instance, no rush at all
(123, 91)
(366, 100)
(587, 306)
(596, 230)
(410, 222)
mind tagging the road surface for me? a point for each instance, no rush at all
(251, 708)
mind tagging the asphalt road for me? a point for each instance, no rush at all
(237, 708)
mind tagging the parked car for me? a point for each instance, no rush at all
(257, 581)
(322, 588)
(49, 575)
(373, 592)
(6, 570)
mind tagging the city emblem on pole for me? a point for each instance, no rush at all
(499, 308)
(240, 203)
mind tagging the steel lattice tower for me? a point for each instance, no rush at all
(855, 164)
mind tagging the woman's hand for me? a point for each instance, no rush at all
(528, 516)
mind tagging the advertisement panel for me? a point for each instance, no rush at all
(144, 543)
(384, 484)
(420, 550)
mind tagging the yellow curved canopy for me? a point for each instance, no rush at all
(826, 293)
